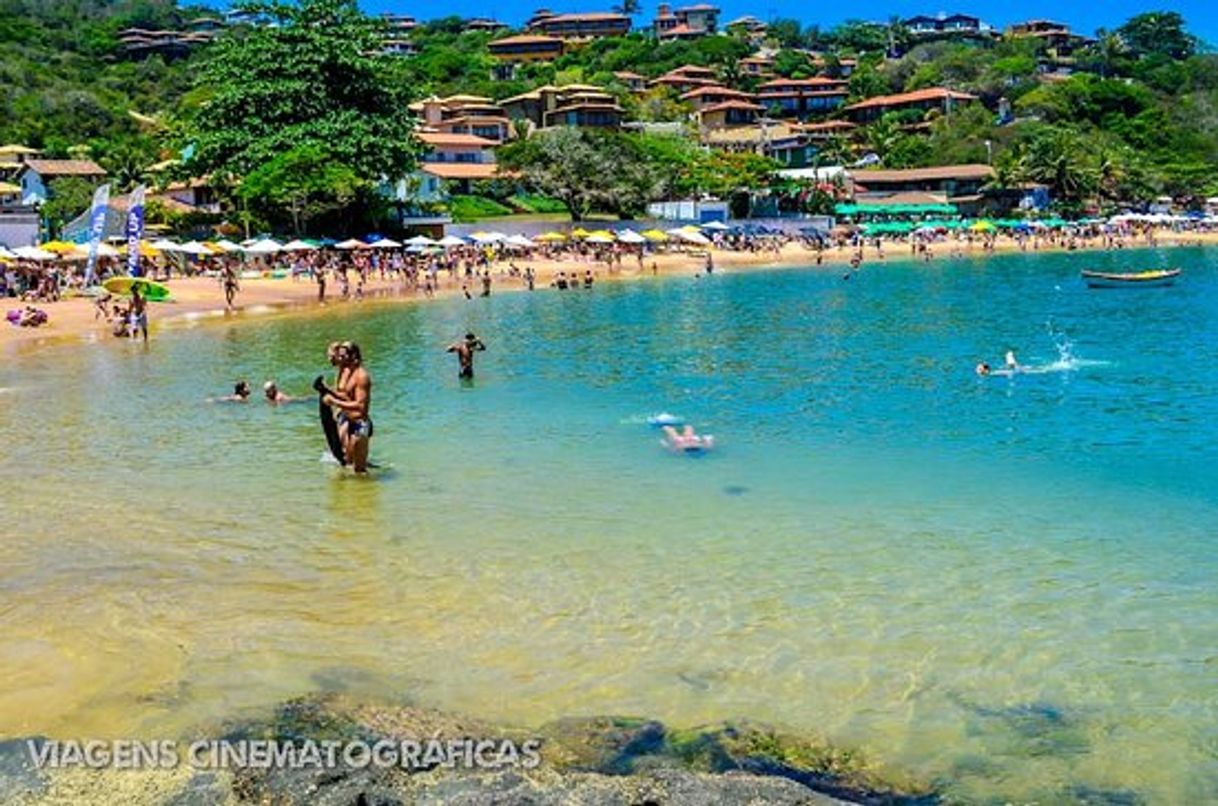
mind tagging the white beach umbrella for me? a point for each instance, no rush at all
(385, 243)
(298, 246)
(630, 236)
(33, 253)
(264, 247)
(488, 237)
(5, 253)
(351, 243)
(103, 250)
(451, 240)
(715, 226)
(228, 246)
(195, 248)
(520, 241)
(165, 245)
(420, 240)
(689, 236)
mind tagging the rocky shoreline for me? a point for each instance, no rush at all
(593, 760)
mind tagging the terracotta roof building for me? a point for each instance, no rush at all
(579, 26)
(939, 98)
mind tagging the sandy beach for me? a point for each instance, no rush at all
(202, 298)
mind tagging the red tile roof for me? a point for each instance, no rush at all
(971, 171)
(65, 167)
(917, 96)
(462, 170)
(449, 139)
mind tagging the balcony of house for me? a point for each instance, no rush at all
(801, 98)
(631, 81)
(728, 114)
(585, 114)
(527, 48)
(712, 94)
(580, 26)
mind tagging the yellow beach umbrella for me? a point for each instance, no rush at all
(59, 247)
(8, 188)
(551, 237)
(580, 232)
(983, 226)
(654, 235)
(146, 249)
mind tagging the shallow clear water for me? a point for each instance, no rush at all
(1006, 585)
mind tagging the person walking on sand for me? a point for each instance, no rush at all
(465, 354)
(353, 400)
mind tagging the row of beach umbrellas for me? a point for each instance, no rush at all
(65, 250)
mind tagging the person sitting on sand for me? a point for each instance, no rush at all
(686, 439)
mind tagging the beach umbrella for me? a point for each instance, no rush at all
(520, 241)
(225, 245)
(451, 240)
(685, 234)
(103, 250)
(385, 243)
(715, 226)
(298, 246)
(4, 253)
(420, 240)
(598, 237)
(33, 253)
(630, 236)
(165, 245)
(195, 248)
(350, 243)
(655, 235)
(59, 247)
(267, 246)
(488, 237)
(983, 226)
(580, 232)
(551, 237)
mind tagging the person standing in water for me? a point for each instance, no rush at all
(139, 313)
(353, 400)
(465, 354)
(230, 285)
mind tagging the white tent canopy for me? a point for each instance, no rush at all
(385, 243)
(451, 240)
(264, 247)
(33, 253)
(420, 240)
(298, 246)
(630, 236)
(689, 236)
(520, 241)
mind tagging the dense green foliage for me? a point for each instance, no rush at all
(310, 116)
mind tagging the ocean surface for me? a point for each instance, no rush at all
(1005, 585)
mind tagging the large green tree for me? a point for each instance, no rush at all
(316, 79)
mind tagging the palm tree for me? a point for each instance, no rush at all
(1107, 50)
(1058, 160)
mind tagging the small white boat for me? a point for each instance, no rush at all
(1155, 278)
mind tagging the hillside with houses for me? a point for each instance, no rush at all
(776, 118)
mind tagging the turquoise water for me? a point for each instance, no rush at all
(1005, 585)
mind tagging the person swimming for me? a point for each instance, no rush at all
(274, 396)
(984, 369)
(241, 394)
(686, 440)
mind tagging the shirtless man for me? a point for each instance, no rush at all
(230, 285)
(139, 313)
(687, 440)
(353, 399)
(465, 354)
(274, 396)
